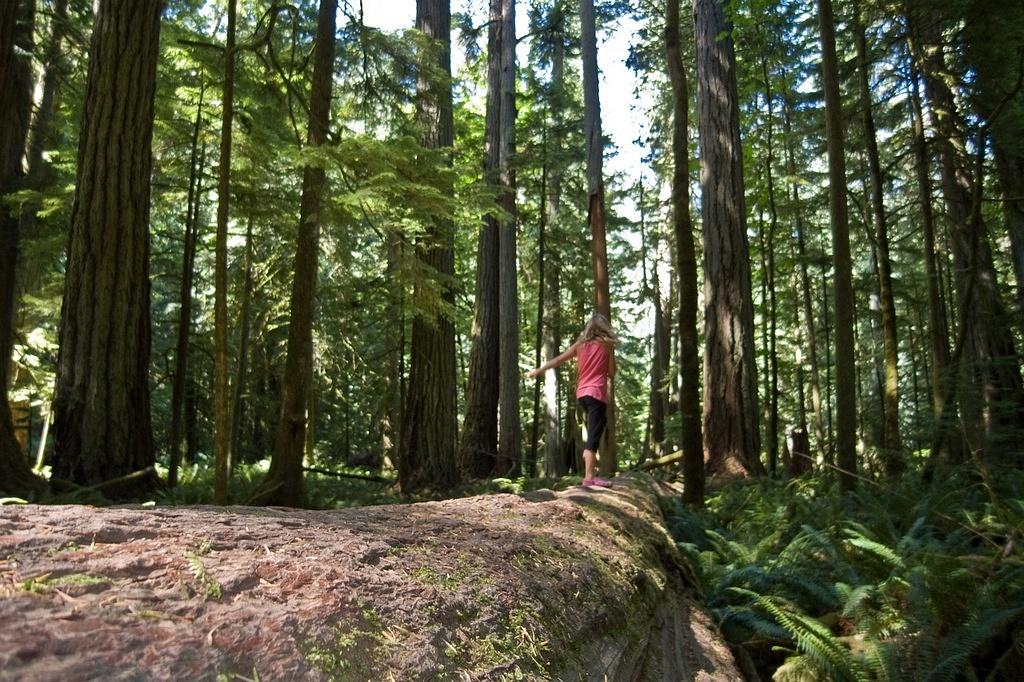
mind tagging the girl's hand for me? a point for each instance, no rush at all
(534, 373)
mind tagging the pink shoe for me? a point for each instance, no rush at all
(596, 482)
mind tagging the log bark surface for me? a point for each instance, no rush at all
(581, 584)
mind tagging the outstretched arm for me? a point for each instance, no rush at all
(553, 362)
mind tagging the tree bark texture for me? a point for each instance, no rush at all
(428, 458)
(892, 445)
(690, 437)
(222, 442)
(284, 484)
(16, 26)
(992, 395)
(478, 445)
(846, 374)
(102, 422)
(510, 376)
(595, 205)
(730, 427)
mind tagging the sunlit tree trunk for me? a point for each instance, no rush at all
(242, 371)
(428, 457)
(478, 444)
(691, 438)
(846, 375)
(731, 439)
(596, 205)
(102, 421)
(773, 217)
(509, 438)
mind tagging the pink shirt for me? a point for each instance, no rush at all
(594, 359)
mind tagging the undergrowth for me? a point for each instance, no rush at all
(894, 582)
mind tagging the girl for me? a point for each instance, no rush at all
(594, 350)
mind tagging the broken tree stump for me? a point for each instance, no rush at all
(581, 584)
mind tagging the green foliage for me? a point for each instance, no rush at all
(900, 582)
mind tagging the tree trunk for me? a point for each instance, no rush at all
(731, 439)
(539, 336)
(102, 425)
(555, 464)
(16, 26)
(197, 161)
(509, 437)
(846, 373)
(773, 216)
(690, 437)
(892, 447)
(805, 288)
(243, 350)
(478, 446)
(428, 459)
(221, 435)
(595, 205)
(284, 483)
(1010, 167)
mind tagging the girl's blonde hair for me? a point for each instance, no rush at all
(599, 329)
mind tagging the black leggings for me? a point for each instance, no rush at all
(597, 419)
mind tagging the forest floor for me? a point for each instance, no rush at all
(580, 584)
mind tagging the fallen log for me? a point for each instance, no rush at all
(661, 461)
(576, 585)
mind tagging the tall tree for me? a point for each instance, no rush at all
(222, 436)
(284, 483)
(478, 445)
(991, 386)
(428, 458)
(16, 26)
(686, 267)
(596, 216)
(102, 411)
(731, 437)
(197, 159)
(846, 373)
(891, 443)
(509, 445)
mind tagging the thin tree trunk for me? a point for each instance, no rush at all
(197, 160)
(773, 217)
(242, 372)
(510, 376)
(555, 464)
(596, 205)
(284, 484)
(222, 436)
(691, 436)
(805, 288)
(478, 446)
(428, 459)
(892, 446)
(16, 26)
(102, 424)
(731, 437)
(846, 376)
(539, 337)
